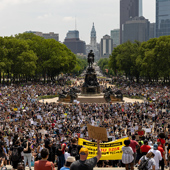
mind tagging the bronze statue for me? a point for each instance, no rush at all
(90, 58)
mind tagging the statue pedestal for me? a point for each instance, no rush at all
(91, 85)
(91, 90)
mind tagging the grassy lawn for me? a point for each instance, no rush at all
(47, 97)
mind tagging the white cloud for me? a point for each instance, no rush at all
(45, 16)
(68, 19)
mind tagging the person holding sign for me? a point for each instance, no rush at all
(84, 163)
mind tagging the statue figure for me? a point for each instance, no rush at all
(90, 58)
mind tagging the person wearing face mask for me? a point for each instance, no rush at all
(39, 149)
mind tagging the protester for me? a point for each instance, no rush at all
(74, 149)
(21, 166)
(127, 157)
(48, 145)
(84, 163)
(162, 163)
(145, 148)
(148, 161)
(27, 152)
(68, 163)
(16, 154)
(44, 164)
(61, 158)
(134, 145)
(157, 156)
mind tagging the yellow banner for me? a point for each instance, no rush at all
(110, 150)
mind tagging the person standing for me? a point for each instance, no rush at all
(48, 145)
(151, 162)
(162, 163)
(134, 145)
(84, 163)
(162, 140)
(127, 156)
(61, 158)
(145, 148)
(157, 156)
(44, 164)
(68, 163)
(74, 149)
(27, 152)
(16, 154)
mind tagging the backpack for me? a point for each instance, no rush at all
(143, 164)
(15, 154)
(74, 151)
(58, 153)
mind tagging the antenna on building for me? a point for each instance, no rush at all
(75, 24)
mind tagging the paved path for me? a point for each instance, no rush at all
(9, 167)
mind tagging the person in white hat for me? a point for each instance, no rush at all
(68, 163)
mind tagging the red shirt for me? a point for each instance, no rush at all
(162, 141)
(133, 145)
(145, 148)
(63, 150)
(43, 165)
(161, 150)
(141, 133)
(53, 125)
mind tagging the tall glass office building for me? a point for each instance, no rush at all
(128, 10)
(162, 17)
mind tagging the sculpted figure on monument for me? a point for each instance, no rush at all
(90, 58)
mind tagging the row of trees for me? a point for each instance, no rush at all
(148, 60)
(103, 63)
(27, 56)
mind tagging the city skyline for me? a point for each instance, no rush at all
(18, 16)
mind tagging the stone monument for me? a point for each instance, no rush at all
(91, 85)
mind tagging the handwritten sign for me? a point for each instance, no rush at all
(97, 133)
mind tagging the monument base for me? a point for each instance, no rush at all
(91, 90)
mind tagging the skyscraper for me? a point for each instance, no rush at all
(73, 42)
(162, 17)
(106, 46)
(136, 29)
(129, 9)
(115, 35)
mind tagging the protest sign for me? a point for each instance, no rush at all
(110, 150)
(137, 137)
(97, 133)
(148, 130)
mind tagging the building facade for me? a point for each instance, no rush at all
(136, 29)
(129, 9)
(162, 17)
(115, 35)
(152, 30)
(73, 42)
(93, 43)
(106, 46)
(48, 35)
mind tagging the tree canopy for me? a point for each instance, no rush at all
(31, 56)
(149, 60)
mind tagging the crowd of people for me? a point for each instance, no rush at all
(31, 125)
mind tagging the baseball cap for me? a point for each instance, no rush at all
(155, 146)
(83, 151)
(70, 159)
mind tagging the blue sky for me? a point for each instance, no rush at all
(17, 16)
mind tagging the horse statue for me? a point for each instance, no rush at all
(90, 58)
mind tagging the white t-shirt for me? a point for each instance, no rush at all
(157, 157)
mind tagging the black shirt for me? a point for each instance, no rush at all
(25, 145)
(88, 164)
(20, 149)
(78, 149)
